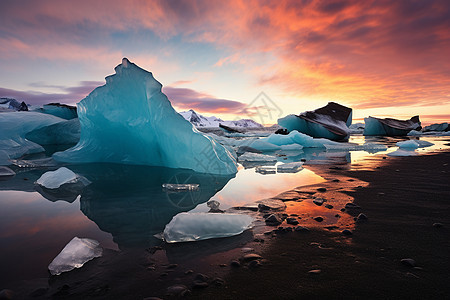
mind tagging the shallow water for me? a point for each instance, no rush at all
(125, 206)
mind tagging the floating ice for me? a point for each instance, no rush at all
(402, 152)
(130, 121)
(414, 133)
(256, 157)
(63, 111)
(414, 144)
(266, 170)
(295, 137)
(390, 127)
(66, 132)
(179, 187)
(13, 128)
(356, 147)
(187, 227)
(6, 173)
(356, 128)
(74, 255)
(55, 179)
(292, 167)
(437, 127)
(330, 121)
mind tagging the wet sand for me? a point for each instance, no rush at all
(403, 200)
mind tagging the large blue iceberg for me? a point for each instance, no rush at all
(390, 127)
(129, 120)
(330, 122)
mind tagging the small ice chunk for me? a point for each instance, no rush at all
(292, 167)
(414, 133)
(266, 170)
(54, 179)
(180, 187)
(6, 173)
(401, 152)
(188, 227)
(256, 157)
(414, 144)
(74, 255)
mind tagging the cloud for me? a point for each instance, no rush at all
(68, 95)
(184, 98)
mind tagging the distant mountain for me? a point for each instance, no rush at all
(201, 121)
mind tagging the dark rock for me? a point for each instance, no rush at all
(335, 168)
(152, 298)
(409, 262)
(361, 218)
(292, 221)
(351, 205)
(301, 229)
(271, 204)
(218, 281)
(347, 232)
(273, 220)
(254, 264)
(318, 201)
(318, 219)
(288, 229)
(322, 190)
(188, 272)
(6, 294)
(235, 264)
(438, 225)
(23, 107)
(38, 292)
(201, 277)
(153, 249)
(199, 284)
(251, 256)
(335, 180)
(282, 131)
(337, 215)
(178, 290)
(223, 265)
(303, 160)
(329, 206)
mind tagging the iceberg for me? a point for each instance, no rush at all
(414, 144)
(292, 167)
(414, 133)
(256, 157)
(130, 121)
(63, 111)
(437, 127)
(295, 137)
(55, 179)
(74, 255)
(188, 227)
(330, 121)
(390, 127)
(66, 132)
(14, 127)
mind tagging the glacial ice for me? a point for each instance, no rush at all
(437, 127)
(255, 157)
(403, 152)
(356, 128)
(292, 167)
(66, 132)
(390, 127)
(75, 254)
(330, 121)
(414, 133)
(130, 121)
(187, 227)
(63, 111)
(414, 144)
(55, 179)
(14, 127)
(180, 187)
(295, 137)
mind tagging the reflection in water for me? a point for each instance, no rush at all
(130, 203)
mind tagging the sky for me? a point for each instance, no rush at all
(257, 59)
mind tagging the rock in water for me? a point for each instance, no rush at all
(390, 127)
(74, 255)
(187, 227)
(129, 120)
(330, 121)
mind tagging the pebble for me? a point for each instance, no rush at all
(315, 272)
(292, 221)
(318, 201)
(347, 232)
(245, 250)
(218, 281)
(301, 229)
(322, 190)
(251, 256)
(273, 220)
(409, 262)
(337, 215)
(6, 294)
(235, 263)
(437, 225)
(361, 217)
(351, 205)
(271, 204)
(381, 194)
(318, 219)
(201, 277)
(188, 272)
(329, 206)
(254, 264)
(411, 275)
(199, 284)
(178, 290)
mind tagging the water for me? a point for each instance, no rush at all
(125, 206)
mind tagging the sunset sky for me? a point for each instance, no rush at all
(382, 58)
